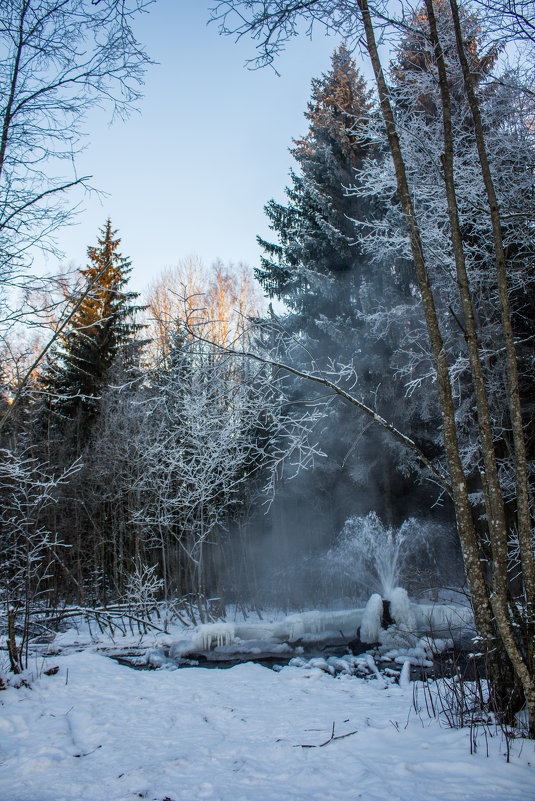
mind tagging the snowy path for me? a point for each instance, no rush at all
(109, 733)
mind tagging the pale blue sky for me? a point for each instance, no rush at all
(191, 173)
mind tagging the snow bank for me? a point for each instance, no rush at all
(99, 731)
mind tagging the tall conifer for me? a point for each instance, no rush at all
(315, 229)
(102, 327)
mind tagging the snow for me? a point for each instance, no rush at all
(100, 731)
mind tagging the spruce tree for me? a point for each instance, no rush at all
(102, 327)
(315, 229)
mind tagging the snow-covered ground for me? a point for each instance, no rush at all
(100, 731)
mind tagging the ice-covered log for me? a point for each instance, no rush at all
(444, 620)
(294, 627)
(439, 620)
(210, 635)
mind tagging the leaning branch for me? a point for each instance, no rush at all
(320, 379)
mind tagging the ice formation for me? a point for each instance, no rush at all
(371, 619)
(210, 635)
(412, 620)
(397, 637)
(370, 661)
(181, 648)
(303, 624)
(405, 675)
(444, 620)
(400, 608)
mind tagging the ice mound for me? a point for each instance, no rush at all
(371, 619)
(402, 633)
(157, 658)
(397, 637)
(181, 648)
(421, 652)
(400, 609)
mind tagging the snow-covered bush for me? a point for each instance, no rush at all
(143, 588)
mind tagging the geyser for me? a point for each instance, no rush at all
(378, 558)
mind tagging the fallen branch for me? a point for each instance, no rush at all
(331, 739)
(107, 614)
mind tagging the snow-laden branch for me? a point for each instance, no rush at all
(322, 380)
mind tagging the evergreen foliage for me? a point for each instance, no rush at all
(102, 327)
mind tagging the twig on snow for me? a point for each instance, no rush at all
(330, 740)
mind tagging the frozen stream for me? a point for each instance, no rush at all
(329, 639)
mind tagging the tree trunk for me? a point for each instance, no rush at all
(484, 607)
(493, 497)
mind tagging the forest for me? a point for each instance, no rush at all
(352, 416)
